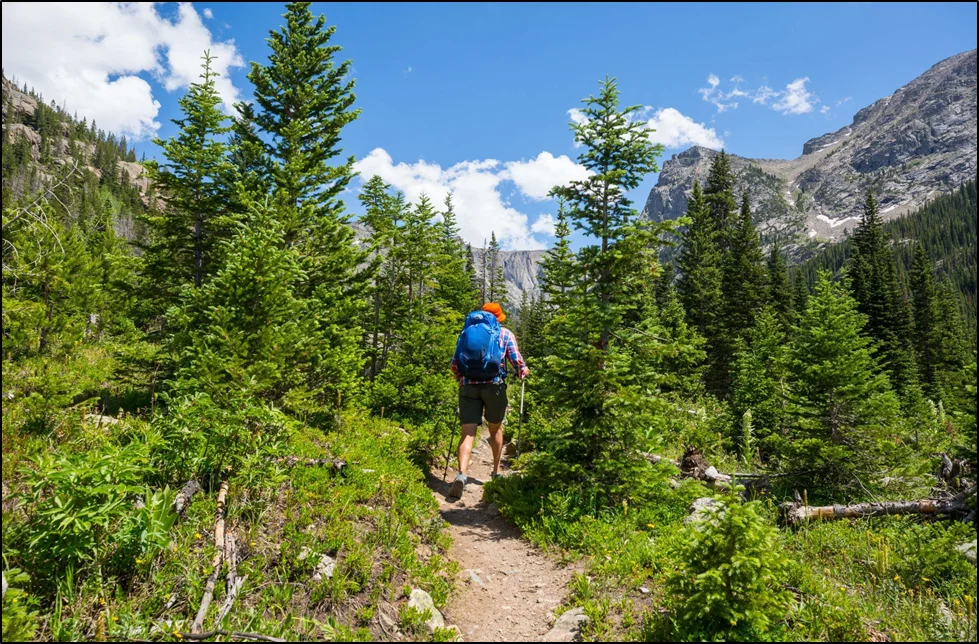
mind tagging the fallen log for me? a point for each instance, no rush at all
(796, 513)
(184, 496)
(219, 545)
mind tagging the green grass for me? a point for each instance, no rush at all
(376, 518)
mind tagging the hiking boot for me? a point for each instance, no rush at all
(455, 490)
(495, 475)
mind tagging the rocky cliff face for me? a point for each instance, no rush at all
(907, 147)
(521, 270)
(63, 147)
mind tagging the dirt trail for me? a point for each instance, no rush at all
(508, 589)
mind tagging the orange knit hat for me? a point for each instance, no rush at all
(495, 309)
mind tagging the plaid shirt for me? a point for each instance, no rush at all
(511, 353)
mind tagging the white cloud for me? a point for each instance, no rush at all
(545, 225)
(763, 94)
(208, 13)
(796, 99)
(715, 96)
(824, 110)
(843, 100)
(577, 116)
(536, 177)
(675, 130)
(89, 57)
(476, 192)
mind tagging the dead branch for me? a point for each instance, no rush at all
(197, 637)
(234, 583)
(796, 513)
(185, 495)
(219, 545)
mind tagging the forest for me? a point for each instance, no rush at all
(221, 405)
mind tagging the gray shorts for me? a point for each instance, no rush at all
(476, 401)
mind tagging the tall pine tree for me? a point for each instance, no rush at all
(304, 99)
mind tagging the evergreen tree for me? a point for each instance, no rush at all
(800, 294)
(303, 101)
(925, 306)
(760, 375)
(699, 285)
(880, 296)
(779, 293)
(245, 332)
(719, 199)
(842, 406)
(496, 286)
(607, 389)
(196, 183)
(743, 288)
(454, 270)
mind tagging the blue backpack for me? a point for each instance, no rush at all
(479, 352)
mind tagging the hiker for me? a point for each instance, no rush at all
(479, 364)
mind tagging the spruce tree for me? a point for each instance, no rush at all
(599, 369)
(780, 295)
(699, 286)
(925, 306)
(245, 332)
(761, 380)
(842, 408)
(743, 288)
(196, 181)
(720, 200)
(303, 101)
(496, 283)
(880, 296)
(800, 294)
(454, 271)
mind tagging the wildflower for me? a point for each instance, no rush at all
(650, 525)
(253, 544)
(897, 578)
(197, 535)
(925, 579)
(115, 619)
(101, 601)
(177, 634)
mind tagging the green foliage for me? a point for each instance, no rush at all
(842, 407)
(197, 182)
(84, 511)
(729, 575)
(761, 381)
(205, 439)
(598, 371)
(19, 620)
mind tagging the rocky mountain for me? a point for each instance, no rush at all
(521, 270)
(907, 147)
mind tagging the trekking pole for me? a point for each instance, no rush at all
(523, 383)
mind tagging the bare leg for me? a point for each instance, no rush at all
(496, 443)
(466, 445)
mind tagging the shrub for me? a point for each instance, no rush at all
(727, 583)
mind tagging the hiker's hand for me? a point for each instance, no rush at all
(524, 373)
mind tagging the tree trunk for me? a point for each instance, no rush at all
(796, 513)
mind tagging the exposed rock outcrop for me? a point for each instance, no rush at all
(907, 148)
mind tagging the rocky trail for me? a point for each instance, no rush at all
(508, 589)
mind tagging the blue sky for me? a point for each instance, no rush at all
(448, 89)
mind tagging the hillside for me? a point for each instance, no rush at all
(907, 147)
(945, 227)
